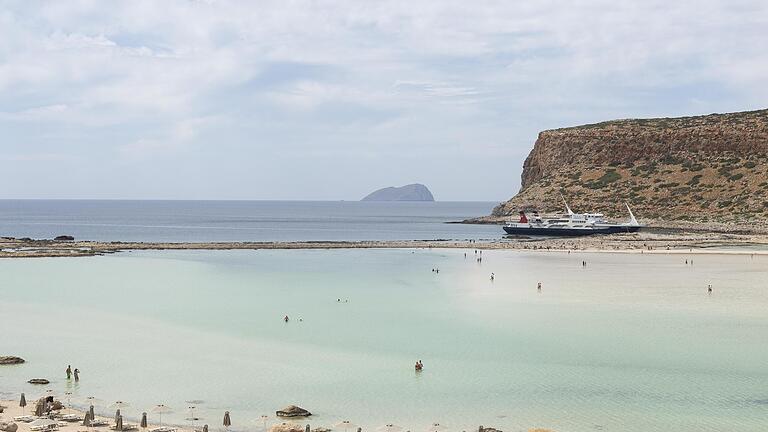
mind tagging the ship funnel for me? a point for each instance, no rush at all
(632, 220)
(568, 209)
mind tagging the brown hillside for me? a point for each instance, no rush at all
(711, 168)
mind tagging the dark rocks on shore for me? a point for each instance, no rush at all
(11, 360)
(293, 411)
(286, 427)
(64, 238)
(39, 381)
(8, 426)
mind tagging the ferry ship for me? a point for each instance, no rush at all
(570, 224)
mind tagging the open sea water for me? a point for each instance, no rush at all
(630, 343)
(224, 221)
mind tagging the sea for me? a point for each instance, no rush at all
(228, 221)
(629, 342)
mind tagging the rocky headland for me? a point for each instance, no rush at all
(706, 171)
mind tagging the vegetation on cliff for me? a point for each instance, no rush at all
(711, 168)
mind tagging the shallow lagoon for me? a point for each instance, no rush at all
(630, 343)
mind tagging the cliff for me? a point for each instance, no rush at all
(711, 168)
(411, 192)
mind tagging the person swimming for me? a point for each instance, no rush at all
(286, 318)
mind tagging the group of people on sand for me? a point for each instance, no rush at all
(76, 373)
(419, 365)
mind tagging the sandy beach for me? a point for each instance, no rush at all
(641, 242)
(12, 413)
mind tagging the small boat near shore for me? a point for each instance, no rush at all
(570, 224)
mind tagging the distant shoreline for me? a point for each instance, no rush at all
(642, 242)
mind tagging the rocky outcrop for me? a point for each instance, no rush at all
(64, 238)
(11, 360)
(6, 426)
(704, 168)
(286, 427)
(293, 411)
(411, 192)
(39, 381)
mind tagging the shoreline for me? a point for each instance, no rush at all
(641, 242)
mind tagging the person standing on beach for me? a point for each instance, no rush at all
(69, 371)
(538, 287)
(709, 289)
(77, 374)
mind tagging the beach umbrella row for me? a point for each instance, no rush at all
(161, 409)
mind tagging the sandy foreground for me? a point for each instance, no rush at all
(12, 409)
(642, 242)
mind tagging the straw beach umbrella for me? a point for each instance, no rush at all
(227, 420)
(345, 424)
(161, 409)
(22, 403)
(264, 420)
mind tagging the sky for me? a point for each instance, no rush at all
(329, 100)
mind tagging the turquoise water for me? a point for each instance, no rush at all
(629, 343)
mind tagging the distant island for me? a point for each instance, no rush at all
(411, 192)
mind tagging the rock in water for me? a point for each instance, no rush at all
(64, 238)
(293, 411)
(8, 426)
(10, 360)
(411, 192)
(39, 381)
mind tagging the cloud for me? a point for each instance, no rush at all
(135, 79)
(180, 136)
